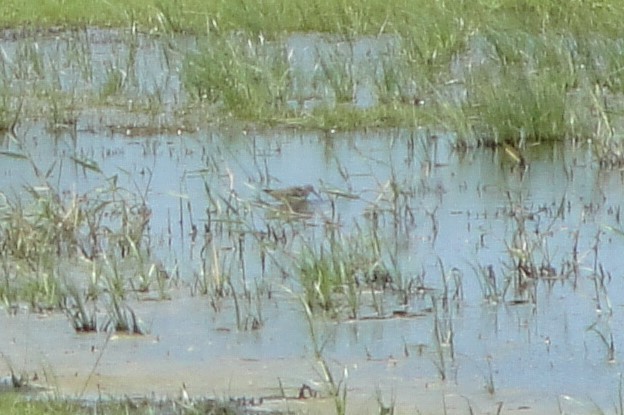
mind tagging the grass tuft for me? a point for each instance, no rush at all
(240, 75)
(333, 274)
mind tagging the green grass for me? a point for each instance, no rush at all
(441, 19)
(333, 274)
(521, 107)
(241, 76)
(14, 404)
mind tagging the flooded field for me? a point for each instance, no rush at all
(415, 277)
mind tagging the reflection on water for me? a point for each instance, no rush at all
(294, 210)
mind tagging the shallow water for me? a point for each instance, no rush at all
(454, 213)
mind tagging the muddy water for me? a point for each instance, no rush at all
(456, 214)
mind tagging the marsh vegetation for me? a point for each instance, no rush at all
(490, 74)
(460, 212)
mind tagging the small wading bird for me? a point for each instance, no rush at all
(292, 194)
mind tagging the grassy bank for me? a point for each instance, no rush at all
(345, 16)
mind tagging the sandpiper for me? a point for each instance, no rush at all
(291, 194)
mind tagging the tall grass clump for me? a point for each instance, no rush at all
(524, 92)
(334, 273)
(521, 107)
(240, 75)
(326, 275)
(337, 69)
(434, 35)
(604, 59)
